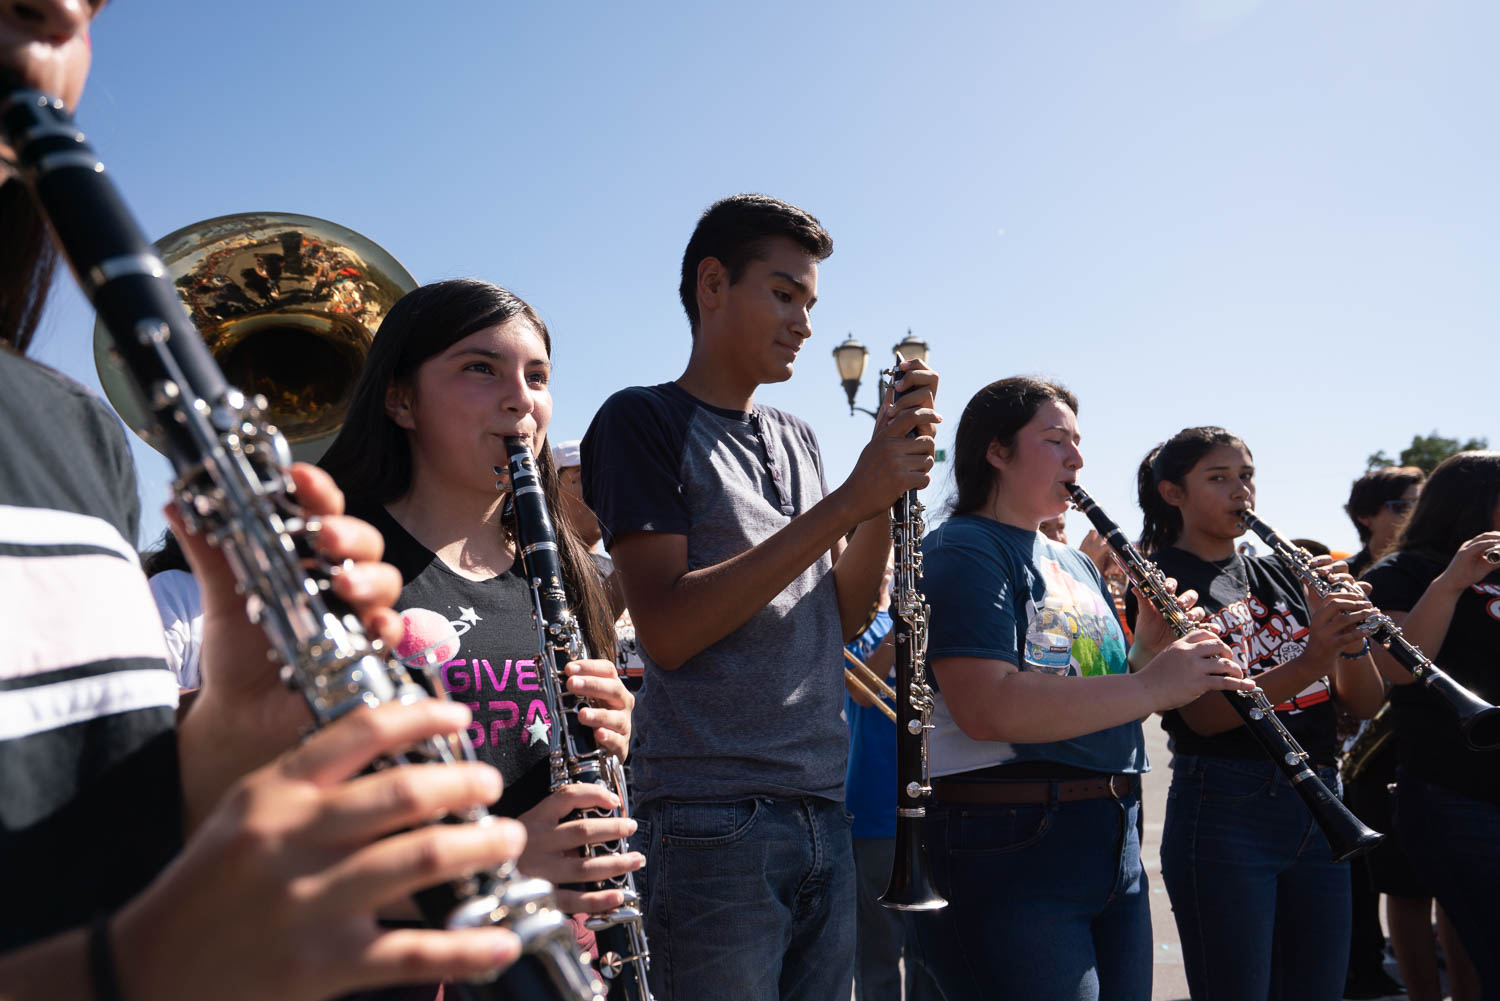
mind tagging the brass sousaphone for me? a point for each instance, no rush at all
(288, 305)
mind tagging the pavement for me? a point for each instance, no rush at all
(1169, 980)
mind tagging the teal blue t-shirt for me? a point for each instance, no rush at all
(999, 592)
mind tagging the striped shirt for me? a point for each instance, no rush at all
(90, 802)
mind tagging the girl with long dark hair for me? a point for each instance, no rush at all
(1033, 835)
(455, 368)
(1262, 909)
(1445, 593)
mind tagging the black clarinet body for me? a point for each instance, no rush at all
(910, 888)
(574, 755)
(1347, 835)
(233, 486)
(1478, 721)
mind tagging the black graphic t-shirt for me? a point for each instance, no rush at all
(1427, 735)
(1264, 618)
(493, 668)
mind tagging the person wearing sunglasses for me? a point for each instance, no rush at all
(1379, 502)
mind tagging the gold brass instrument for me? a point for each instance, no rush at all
(287, 305)
(1373, 736)
(858, 675)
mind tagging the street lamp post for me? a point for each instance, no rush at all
(850, 358)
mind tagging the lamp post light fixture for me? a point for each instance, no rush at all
(851, 356)
(912, 347)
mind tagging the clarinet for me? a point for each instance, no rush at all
(1346, 834)
(234, 487)
(910, 888)
(1478, 721)
(573, 755)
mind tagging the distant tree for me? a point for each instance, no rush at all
(1425, 452)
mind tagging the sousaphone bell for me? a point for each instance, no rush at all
(287, 304)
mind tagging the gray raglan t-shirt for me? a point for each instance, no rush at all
(758, 712)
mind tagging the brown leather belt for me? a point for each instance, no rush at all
(1035, 791)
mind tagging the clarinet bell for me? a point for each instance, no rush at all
(1478, 721)
(911, 886)
(1362, 840)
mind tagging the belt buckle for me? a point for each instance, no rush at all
(1119, 785)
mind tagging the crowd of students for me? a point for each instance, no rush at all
(160, 845)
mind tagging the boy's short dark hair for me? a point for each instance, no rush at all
(736, 229)
(1372, 490)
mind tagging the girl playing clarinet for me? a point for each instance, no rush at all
(1037, 748)
(1261, 908)
(457, 367)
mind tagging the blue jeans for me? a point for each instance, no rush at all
(751, 900)
(1046, 902)
(883, 935)
(1454, 844)
(1262, 910)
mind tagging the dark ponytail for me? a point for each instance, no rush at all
(1170, 462)
(995, 414)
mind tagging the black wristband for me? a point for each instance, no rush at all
(1359, 653)
(102, 960)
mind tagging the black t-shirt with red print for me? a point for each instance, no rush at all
(1264, 617)
(493, 670)
(1428, 740)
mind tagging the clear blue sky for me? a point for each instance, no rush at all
(1280, 217)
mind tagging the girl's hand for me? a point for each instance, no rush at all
(1152, 634)
(599, 682)
(1335, 627)
(1336, 619)
(554, 846)
(1336, 572)
(1191, 666)
(1468, 566)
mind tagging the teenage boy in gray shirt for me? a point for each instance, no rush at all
(730, 547)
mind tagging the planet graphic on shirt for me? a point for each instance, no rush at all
(427, 638)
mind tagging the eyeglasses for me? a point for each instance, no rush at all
(1398, 505)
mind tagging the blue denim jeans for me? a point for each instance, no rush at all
(1453, 841)
(1046, 902)
(1262, 910)
(882, 936)
(751, 900)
